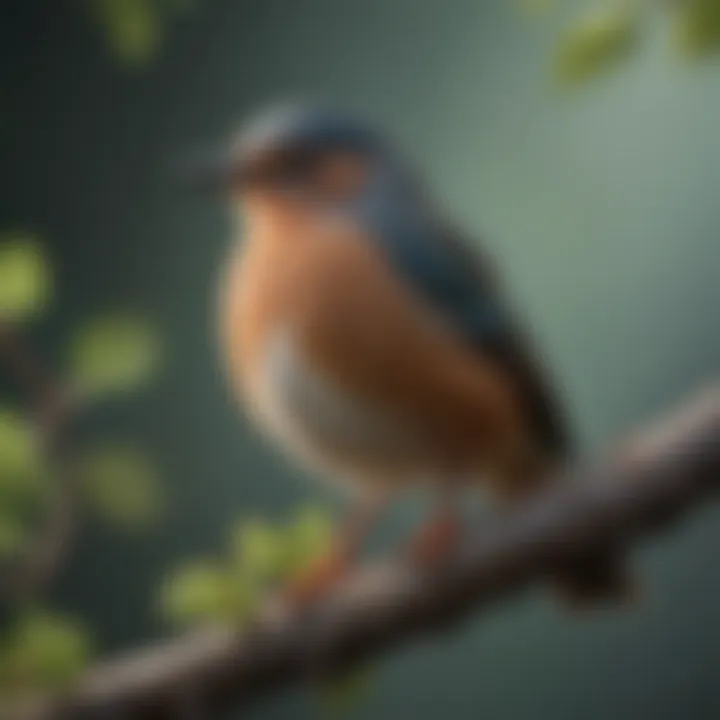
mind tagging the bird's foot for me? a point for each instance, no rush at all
(435, 543)
(318, 579)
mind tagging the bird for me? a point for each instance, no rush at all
(372, 340)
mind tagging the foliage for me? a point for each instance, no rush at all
(135, 30)
(42, 650)
(22, 490)
(270, 552)
(120, 485)
(21, 461)
(698, 27)
(595, 42)
(231, 591)
(113, 355)
(208, 591)
(25, 282)
(260, 548)
(261, 556)
(108, 356)
(604, 33)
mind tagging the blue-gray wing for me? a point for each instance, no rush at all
(460, 285)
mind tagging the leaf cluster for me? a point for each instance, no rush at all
(41, 651)
(605, 34)
(106, 357)
(260, 555)
(135, 30)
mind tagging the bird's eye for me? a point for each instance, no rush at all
(327, 175)
(297, 165)
(340, 175)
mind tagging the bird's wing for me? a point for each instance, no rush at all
(371, 338)
(460, 285)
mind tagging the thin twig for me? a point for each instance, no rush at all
(609, 504)
(35, 567)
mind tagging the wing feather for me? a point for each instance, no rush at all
(461, 286)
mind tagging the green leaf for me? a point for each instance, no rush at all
(309, 536)
(136, 29)
(262, 553)
(18, 449)
(206, 592)
(114, 355)
(44, 651)
(269, 552)
(25, 279)
(120, 486)
(133, 28)
(597, 40)
(259, 548)
(22, 465)
(698, 27)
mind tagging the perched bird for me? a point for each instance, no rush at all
(363, 334)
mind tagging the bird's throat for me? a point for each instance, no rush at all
(271, 219)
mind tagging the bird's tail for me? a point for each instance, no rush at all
(589, 580)
(585, 579)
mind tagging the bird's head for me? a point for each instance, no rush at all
(299, 156)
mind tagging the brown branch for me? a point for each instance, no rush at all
(35, 567)
(609, 504)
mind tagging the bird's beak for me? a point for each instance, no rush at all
(243, 172)
(208, 173)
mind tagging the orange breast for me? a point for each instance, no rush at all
(267, 280)
(363, 329)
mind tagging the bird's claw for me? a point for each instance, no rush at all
(435, 543)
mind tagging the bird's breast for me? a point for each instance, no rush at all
(333, 430)
(341, 362)
(269, 303)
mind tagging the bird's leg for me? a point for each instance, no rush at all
(320, 577)
(437, 538)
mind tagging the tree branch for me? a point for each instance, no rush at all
(36, 566)
(609, 504)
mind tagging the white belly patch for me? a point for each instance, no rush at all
(321, 423)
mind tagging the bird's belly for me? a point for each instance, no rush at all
(322, 424)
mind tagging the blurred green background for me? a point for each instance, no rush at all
(600, 205)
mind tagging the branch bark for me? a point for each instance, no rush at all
(608, 504)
